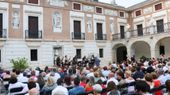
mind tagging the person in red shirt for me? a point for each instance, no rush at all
(157, 83)
(83, 82)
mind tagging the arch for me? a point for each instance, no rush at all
(119, 52)
(162, 47)
(141, 48)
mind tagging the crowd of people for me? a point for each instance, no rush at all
(147, 76)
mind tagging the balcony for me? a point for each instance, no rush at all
(142, 32)
(151, 30)
(33, 34)
(100, 36)
(118, 36)
(78, 36)
(3, 34)
(146, 31)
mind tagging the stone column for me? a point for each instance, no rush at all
(129, 52)
(153, 51)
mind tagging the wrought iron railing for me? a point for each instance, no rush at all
(33, 34)
(150, 30)
(119, 36)
(101, 36)
(78, 36)
(3, 33)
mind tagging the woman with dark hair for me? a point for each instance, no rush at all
(41, 81)
(32, 88)
(67, 82)
(89, 86)
(167, 83)
(142, 88)
(20, 87)
(149, 80)
(156, 82)
(111, 87)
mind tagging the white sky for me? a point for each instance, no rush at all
(125, 3)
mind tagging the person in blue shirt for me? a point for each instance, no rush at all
(76, 89)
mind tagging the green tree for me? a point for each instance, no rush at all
(20, 63)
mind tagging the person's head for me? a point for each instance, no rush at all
(13, 74)
(111, 74)
(100, 82)
(31, 85)
(60, 81)
(105, 68)
(32, 73)
(96, 74)
(17, 72)
(154, 75)
(142, 87)
(111, 86)
(138, 68)
(8, 72)
(13, 80)
(50, 81)
(76, 81)
(167, 83)
(91, 79)
(67, 80)
(120, 74)
(148, 77)
(83, 79)
(97, 88)
(128, 74)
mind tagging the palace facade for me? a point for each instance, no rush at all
(41, 30)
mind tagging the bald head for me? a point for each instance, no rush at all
(111, 74)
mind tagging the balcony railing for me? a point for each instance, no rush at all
(142, 31)
(3, 33)
(78, 36)
(33, 34)
(101, 36)
(119, 36)
(150, 30)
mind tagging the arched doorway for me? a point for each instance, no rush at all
(163, 47)
(140, 49)
(120, 52)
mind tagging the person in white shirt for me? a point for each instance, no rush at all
(129, 79)
(15, 84)
(112, 78)
(105, 72)
(59, 90)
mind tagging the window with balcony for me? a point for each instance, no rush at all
(33, 28)
(76, 6)
(122, 32)
(160, 25)
(101, 52)
(122, 14)
(33, 1)
(77, 34)
(98, 10)
(140, 29)
(138, 13)
(158, 6)
(78, 53)
(99, 35)
(34, 55)
(1, 25)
